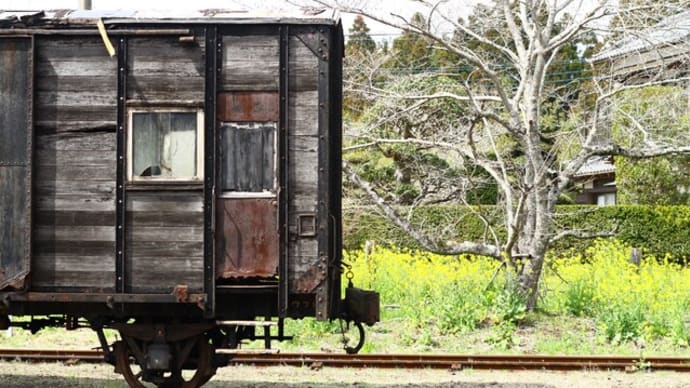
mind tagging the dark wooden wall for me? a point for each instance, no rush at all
(75, 155)
(241, 54)
(161, 69)
(164, 225)
(250, 63)
(76, 116)
(74, 164)
(16, 102)
(305, 268)
(165, 241)
(76, 85)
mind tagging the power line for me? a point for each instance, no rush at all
(494, 67)
(564, 76)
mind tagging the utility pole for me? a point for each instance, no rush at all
(84, 4)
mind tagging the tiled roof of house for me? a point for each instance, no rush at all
(595, 166)
(670, 30)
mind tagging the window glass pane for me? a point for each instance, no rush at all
(606, 199)
(164, 144)
(611, 198)
(247, 157)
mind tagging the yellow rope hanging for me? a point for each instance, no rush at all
(104, 36)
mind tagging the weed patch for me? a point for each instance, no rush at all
(454, 295)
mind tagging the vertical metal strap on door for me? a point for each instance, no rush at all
(283, 149)
(337, 52)
(214, 53)
(120, 193)
(324, 185)
(28, 183)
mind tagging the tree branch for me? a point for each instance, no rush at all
(581, 235)
(598, 12)
(451, 248)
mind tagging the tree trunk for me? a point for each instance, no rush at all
(529, 281)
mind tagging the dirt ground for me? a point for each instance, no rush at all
(25, 375)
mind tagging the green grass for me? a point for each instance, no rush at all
(594, 303)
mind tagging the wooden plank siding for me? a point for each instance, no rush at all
(74, 207)
(250, 63)
(163, 69)
(76, 85)
(304, 68)
(164, 228)
(74, 164)
(165, 241)
(303, 131)
(15, 160)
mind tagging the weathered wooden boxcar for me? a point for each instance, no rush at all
(181, 186)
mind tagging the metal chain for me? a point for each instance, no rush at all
(344, 340)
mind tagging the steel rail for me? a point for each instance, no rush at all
(51, 355)
(410, 361)
(407, 361)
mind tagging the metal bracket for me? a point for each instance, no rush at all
(214, 52)
(283, 163)
(317, 43)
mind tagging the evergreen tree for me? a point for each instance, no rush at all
(359, 42)
(411, 52)
(360, 53)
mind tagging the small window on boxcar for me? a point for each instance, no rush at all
(165, 145)
(248, 157)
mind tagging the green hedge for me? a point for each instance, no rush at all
(657, 230)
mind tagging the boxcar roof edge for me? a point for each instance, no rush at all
(82, 18)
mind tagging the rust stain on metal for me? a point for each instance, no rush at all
(181, 293)
(247, 238)
(310, 280)
(248, 106)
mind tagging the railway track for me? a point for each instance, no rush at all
(408, 361)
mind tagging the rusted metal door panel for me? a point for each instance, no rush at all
(247, 237)
(248, 106)
(16, 101)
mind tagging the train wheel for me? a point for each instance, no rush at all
(200, 358)
(123, 365)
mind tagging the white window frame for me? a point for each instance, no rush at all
(199, 174)
(607, 199)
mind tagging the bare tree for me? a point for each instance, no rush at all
(511, 50)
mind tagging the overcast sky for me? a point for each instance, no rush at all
(195, 4)
(403, 7)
